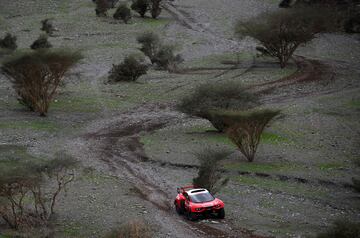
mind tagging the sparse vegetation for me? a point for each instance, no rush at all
(123, 12)
(209, 175)
(140, 6)
(150, 45)
(29, 188)
(217, 96)
(41, 43)
(36, 76)
(132, 229)
(102, 7)
(165, 58)
(342, 229)
(8, 42)
(155, 8)
(245, 128)
(48, 27)
(281, 33)
(130, 70)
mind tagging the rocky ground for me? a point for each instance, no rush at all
(135, 148)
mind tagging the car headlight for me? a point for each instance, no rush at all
(198, 209)
(217, 206)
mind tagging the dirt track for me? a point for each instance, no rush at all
(141, 177)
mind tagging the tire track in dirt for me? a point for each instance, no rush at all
(118, 145)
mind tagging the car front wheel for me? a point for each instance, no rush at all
(221, 213)
(191, 216)
(178, 210)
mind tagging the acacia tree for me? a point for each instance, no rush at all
(36, 76)
(25, 197)
(283, 31)
(245, 128)
(209, 97)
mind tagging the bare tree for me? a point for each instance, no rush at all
(29, 189)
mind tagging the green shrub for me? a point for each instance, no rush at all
(165, 58)
(102, 7)
(283, 31)
(245, 128)
(129, 70)
(132, 229)
(35, 76)
(41, 43)
(217, 96)
(140, 6)
(8, 42)
(123, 12)
(209, 176)
(150, 45)
(342, 229)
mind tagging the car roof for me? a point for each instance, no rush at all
(197, 191)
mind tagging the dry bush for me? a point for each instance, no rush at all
(209, 176)
(150, 45)
(36, 76)
(155, 8)
(132, 229)
(282, 32)
(102, 7)
(48, 27)
(123, 12)
(129, 70)
(29, 188)
(140, 6)
(8, 42)
(165, 58)
(342, 229)
(41, 43)
(245, 128)
(217, 96)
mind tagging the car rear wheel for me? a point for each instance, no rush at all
(221, 213)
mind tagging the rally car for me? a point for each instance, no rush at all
(195, 202)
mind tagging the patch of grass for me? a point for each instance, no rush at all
(36, 125)
(272, 138)
(354, 103)
(72, 230)
(216, 59)
(260, 167)
(282, 186)
(331, 166)
(85, 104)
(154, 23)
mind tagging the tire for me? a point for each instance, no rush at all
(179, 210)
(191, 216)
(221, 213)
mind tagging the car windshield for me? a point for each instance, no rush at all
(201, 197)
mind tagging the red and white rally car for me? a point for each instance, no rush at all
(195, 202)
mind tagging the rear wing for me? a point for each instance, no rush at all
(184, 189)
